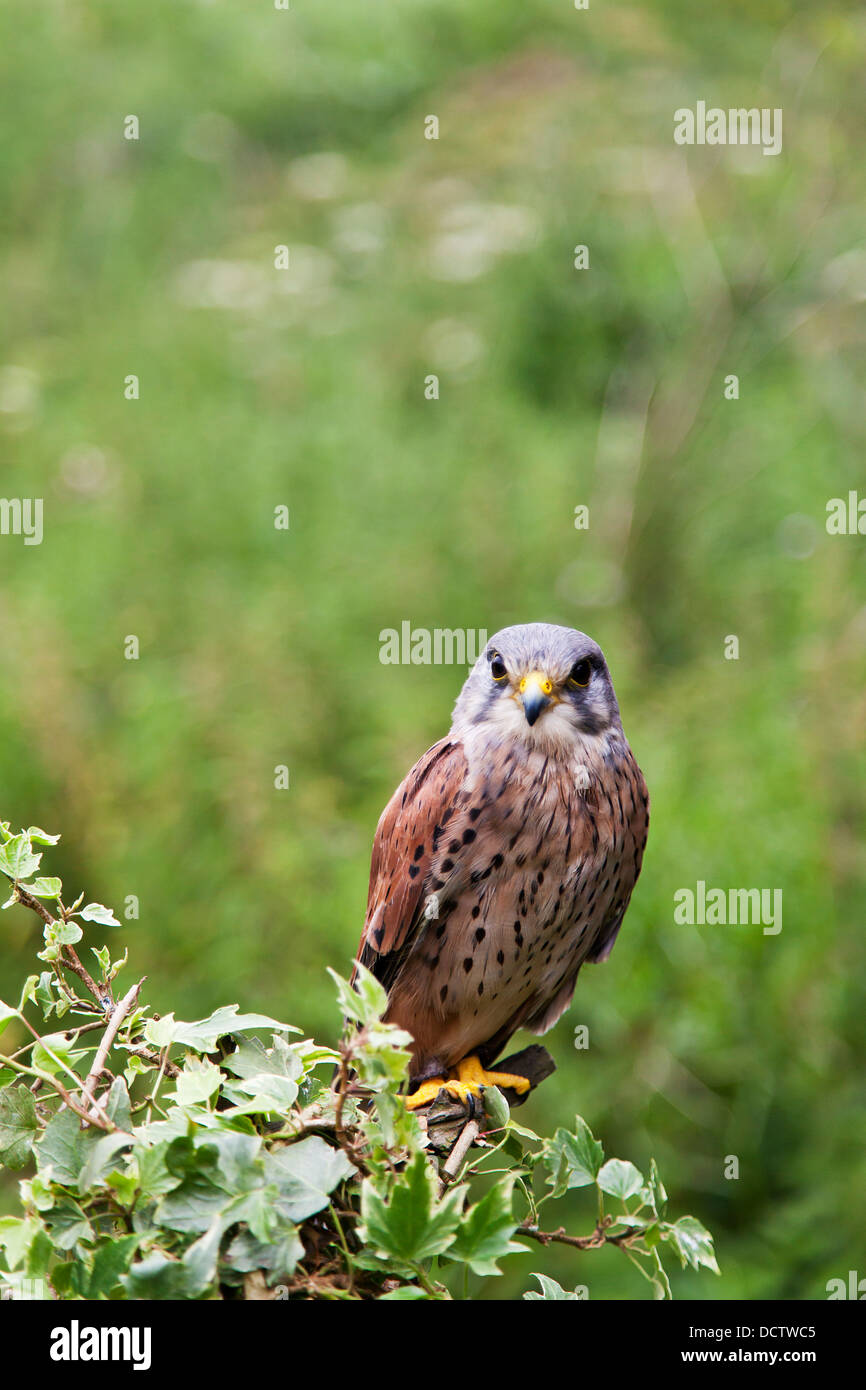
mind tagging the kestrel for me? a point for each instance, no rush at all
(505, 859)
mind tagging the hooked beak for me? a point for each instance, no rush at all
(535, 690)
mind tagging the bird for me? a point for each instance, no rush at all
(505, 860)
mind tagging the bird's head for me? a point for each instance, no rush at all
(543, 684)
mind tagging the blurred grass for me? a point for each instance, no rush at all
(305, 388)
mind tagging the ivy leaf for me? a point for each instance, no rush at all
(154, 1176)
(573, 1159)
(18, 1126)
(366, 1001)
(157, 1277)
(485, 1232)
(305, 1175)
(197, 1082)
(692, 1242)
(45, 888)
(95, 912)
(279, 1255)
(111, 1260)
(200, 1260)
(59, 934)
(7, 1013)
(41, 836)
(657, 1197)
(55, 1049)
(62, 1148)
(252, 1059)
(100, 1159)
(201, 1195)
(261, 1095)
(17, 858)
(412, 1226)
(620, 1178)
(16, 1235)
(551, 1291)
(67, 1224)
(202, 1035)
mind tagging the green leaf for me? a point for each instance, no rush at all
(7, 1013)
(279, 1255)
(63, 1147)
(45, 888)
(367, 1001)
(41, 836)
(39, 1253)
(17, 858)
(261, 1095)
(305, 1175)
(154, 1176)
(252, 1059)
(95, 912)
(692, 1242)
(68, 1224)
(18, 1126)
(620, 1178)
(28, 993)
(405, 1294)
(202, 1035)
(485, 1232)
(411, 1226)
(201, 1195)
(111, 1260)
(16, 1234)
(157, 1277)
(551, 1291)
(103, 957)
(572, 1160)
(55, 1049)
(657, 1197)
(197, 1082)
(200, 1260)
(124, 1185)
(496, 1107)
(59, 934)
(117, 1104)
(100, 1159)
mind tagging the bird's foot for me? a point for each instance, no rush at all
(470, 1080)
(473, 1076)
(426, 1093)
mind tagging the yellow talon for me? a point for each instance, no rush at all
(426, 1093)
(472, 1074)
(470, 1080)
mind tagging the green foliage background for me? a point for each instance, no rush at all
(557, 388)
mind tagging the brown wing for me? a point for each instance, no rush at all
(403, 851)
(632, 860)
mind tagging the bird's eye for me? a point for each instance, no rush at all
(498, 669)
(580, 673)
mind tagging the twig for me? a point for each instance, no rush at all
(595, 1241)
(71, 960)
(68, 954)
(118, 1014)
(155, 1060)
(468, 1134)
